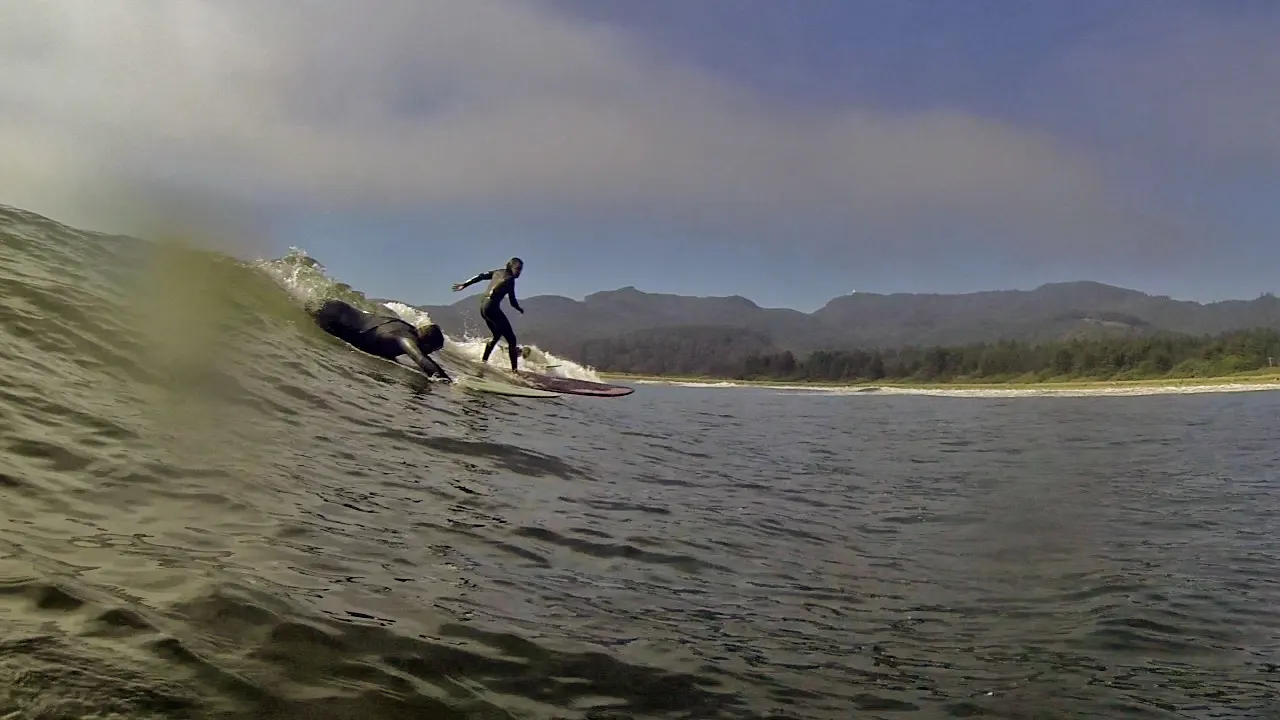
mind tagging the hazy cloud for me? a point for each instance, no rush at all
(1178, 78)
(493, 102)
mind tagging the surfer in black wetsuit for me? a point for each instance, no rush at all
(385, 336)
(502, 283)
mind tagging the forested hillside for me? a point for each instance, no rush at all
(1138, 358)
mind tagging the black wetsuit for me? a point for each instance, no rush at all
(502, 284)
(381, 335)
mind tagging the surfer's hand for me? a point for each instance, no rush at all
(521, 310)
(458, 286)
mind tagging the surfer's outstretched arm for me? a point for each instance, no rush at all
(427, 365)
(486, 275)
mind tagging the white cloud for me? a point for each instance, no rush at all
(483, 102)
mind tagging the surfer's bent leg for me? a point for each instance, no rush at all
(503, 330)
(513, 350)
(493, 319)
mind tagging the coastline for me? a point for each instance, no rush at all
(1243, 382)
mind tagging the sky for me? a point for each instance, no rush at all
(786, 152)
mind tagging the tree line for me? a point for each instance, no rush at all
(715, 351)
(735, 354)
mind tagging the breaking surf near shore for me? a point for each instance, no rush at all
(1100, 389)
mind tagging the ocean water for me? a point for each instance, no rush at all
(213, 510)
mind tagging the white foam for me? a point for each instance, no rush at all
(727, 384)
(1135, 390)
(539, 360)
(1091, 391)
(302, 276)
(412, 315)
(694, 383)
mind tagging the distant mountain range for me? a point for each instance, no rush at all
(862, 320)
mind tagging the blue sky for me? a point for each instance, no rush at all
(788, 152)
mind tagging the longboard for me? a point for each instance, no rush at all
(570, 386)
(470, 382)
(484, 385)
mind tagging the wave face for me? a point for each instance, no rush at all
(214, 510)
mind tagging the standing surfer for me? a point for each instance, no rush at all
(385, 336)
(502, 283)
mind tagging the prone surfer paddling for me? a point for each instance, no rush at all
(502, 283)
(385, 336)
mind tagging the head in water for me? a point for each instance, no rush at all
(430, 338)
(515, 265)
(333, 316)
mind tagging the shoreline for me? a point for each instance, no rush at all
(1246, 382)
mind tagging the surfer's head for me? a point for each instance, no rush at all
(329, 316)
(430, 338)
(515, 265)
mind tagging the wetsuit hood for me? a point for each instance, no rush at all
(430, 338)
